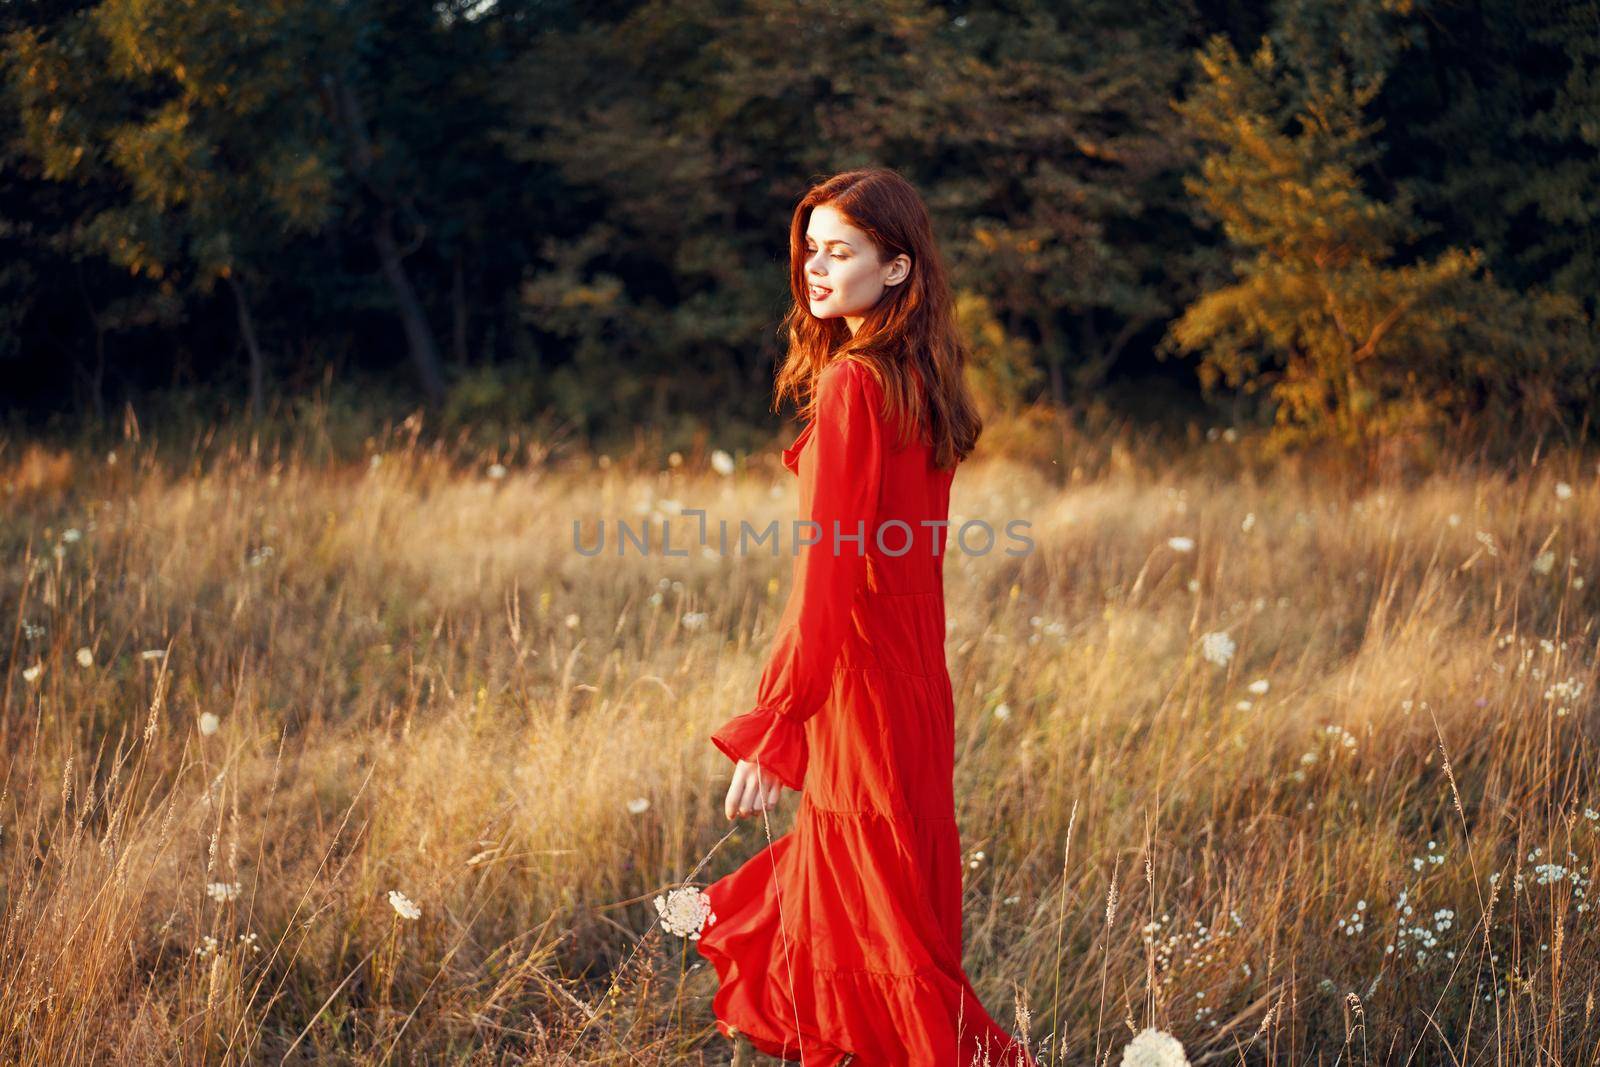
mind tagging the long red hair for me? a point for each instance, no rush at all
(908, 340)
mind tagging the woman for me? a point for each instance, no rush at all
(842, 942)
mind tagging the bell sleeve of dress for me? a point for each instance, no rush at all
(839, 489)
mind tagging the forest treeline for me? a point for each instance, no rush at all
(1350, 219)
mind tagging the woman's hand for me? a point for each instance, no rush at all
(748, 793)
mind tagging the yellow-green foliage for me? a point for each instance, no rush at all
(1351, 342)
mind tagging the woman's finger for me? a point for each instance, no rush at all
(752, 795)
(730, 803)
(739, 795)
(738, 789)
(754, 791)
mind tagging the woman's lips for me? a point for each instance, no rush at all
(818, 292)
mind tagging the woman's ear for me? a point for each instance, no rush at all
(899, 270)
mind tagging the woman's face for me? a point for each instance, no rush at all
(844, 276)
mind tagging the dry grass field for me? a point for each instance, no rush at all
(360, 761)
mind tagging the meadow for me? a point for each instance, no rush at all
(354, 759)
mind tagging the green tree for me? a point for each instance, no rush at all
(1494, 127)
(218, 157)
(229, 130)
(1040, 137)
(1349, 341)
(1043, 138)
(1563, 188)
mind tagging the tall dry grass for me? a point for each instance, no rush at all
(1319, 787)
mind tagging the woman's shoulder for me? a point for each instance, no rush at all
(846, 379)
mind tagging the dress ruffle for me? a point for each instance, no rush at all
(764, 736)
(804, 978)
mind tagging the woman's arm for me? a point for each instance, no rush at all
(841, 482)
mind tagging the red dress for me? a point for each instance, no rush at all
(845, 934)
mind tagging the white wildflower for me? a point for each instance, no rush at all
(497, 471)
(403, 905)
(1002, 711)
(684, 911)
(1154, 1048)
(221, 891)
(1544, 562)
(694, 620)
(1563, 491)
(1181, 544)
(1217, 647)
(638, 805)
(721, 462)
(1259, 686)
(31, 674)
(209, 723)
(85, 657)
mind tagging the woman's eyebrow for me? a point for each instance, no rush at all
(832, 241)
